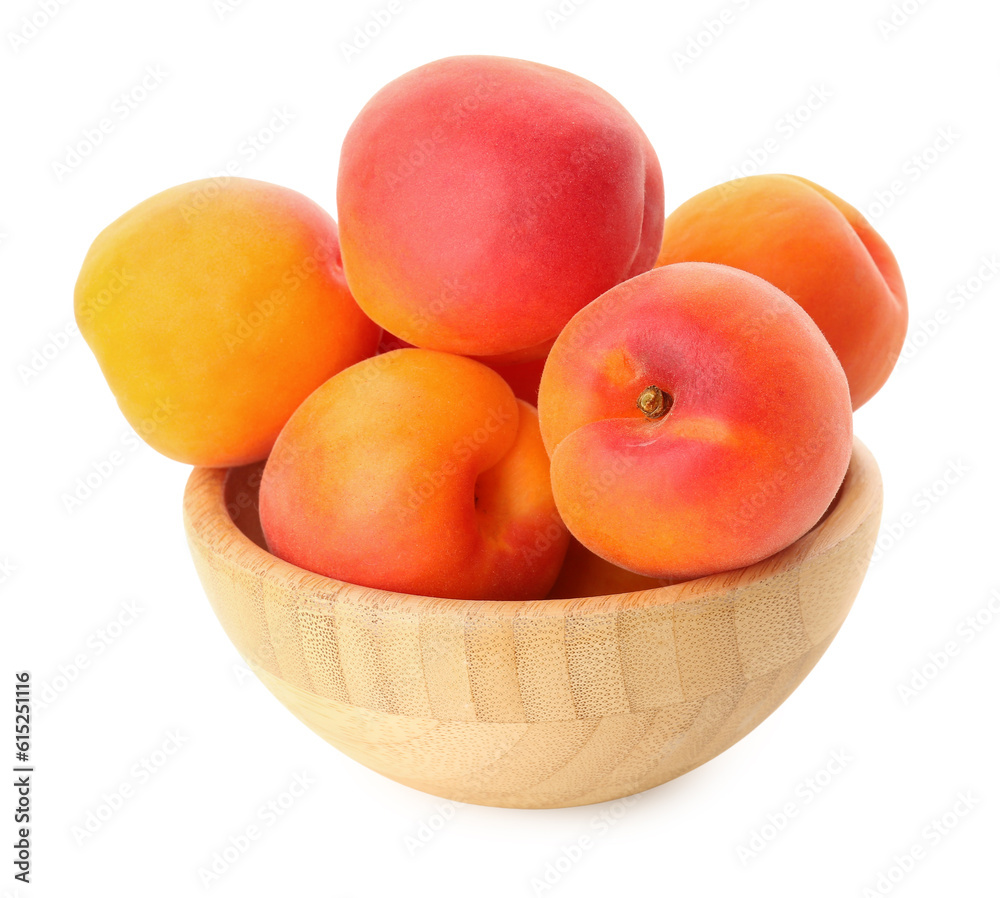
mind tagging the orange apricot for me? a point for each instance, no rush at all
(420, 472)
(214, 308)
(697, 422)
(816, 248)
(484, 200)
(585, 574)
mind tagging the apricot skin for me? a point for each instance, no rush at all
(586, 574)
(214, 310)
(419, 472)
(522, 377)
(484, 200)
(749, 455)
(816, 248)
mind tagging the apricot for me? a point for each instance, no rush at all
(522, 377)
(484, 200)
(585, 574)
(420, 472)
(214, 308)
(817, 249)
(696, 419)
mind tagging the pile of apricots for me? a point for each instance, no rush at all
(506, 375)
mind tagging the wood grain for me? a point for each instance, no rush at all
(537, 704)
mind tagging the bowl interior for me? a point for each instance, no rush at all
(860, 488)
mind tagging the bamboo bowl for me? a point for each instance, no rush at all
(537, 704)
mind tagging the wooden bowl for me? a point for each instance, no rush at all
(537, 704)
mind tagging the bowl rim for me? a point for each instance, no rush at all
(209, 524)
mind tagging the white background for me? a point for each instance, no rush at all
(67, 572)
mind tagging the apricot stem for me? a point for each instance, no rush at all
(654, 402)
